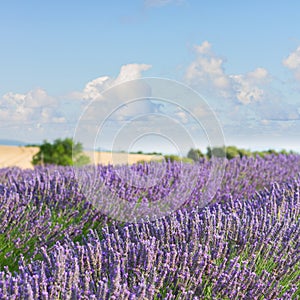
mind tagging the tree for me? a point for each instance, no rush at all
(232, 152)
(216, 152)
(61, 152)
(244, 152)
(195, 154)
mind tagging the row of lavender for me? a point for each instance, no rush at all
(250, 244)
(241, 250)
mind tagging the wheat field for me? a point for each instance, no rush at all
(20, 156)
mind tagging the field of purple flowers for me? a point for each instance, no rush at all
(55, 244)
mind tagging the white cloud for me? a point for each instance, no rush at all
(248, 104)
(207, 73)
(94, 89)
(113, 101)
(48, 117)
(258, 74)
(36, 105)
(248, 88)
(31, 116)
(292, 62)
(204, 48)
(131, 72)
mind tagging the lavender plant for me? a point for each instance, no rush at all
(56, 245)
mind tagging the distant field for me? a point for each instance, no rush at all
(16, 156)
(21, 157)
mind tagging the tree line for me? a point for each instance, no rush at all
(231, 152)
(66, 152)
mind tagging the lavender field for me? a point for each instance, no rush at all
(55, 243)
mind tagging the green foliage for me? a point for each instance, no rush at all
(146, 153)
(154, 153)
(243, 152)
(272, 151)
(231, 152)
(216, 152)
(136, 152)
(187, 160)
(172, 158)
(61, 152)
(195, 154)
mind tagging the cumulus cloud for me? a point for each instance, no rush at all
(31, 116)
(247, 104)
(107, 93)
(94, 89)
(207, 72)
(121, 109)
(249, 87)
(34, 106)
(292, 62)
(131, 72)
(48, 117)
(113, 101)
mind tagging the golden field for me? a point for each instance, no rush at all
(20, 156)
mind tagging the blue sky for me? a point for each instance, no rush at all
(242, 57)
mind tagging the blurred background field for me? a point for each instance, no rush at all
(21, 156)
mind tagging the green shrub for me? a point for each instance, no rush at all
(61, 152)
